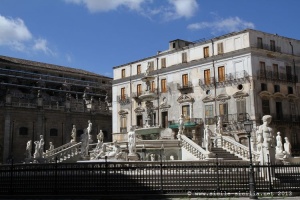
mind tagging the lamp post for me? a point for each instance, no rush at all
(248, 124)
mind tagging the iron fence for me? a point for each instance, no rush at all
(159, 177)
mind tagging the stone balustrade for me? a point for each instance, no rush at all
(193, 148)
(63, 152)
(237, 149)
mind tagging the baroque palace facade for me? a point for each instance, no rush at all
(44, 99)
(233, 77)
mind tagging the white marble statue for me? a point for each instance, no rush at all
(51, 146)
(73, 134)
(36, 151)
(220, 126)
(131, 141)
(278, 143)
(114, 150)
(268, 146)
(181, 123)
(152, 157)
(84, 143)
(41, 146)
(207, 138)
(287, 147)
(28, 149)
(100, 137)
(89, 128)
(258, 140)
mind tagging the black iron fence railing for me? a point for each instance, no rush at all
(276, 76)
(158, 177)
(230, 118)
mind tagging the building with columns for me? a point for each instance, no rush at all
(232, 77)
(44, 99)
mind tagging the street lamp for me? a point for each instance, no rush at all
(248, 124)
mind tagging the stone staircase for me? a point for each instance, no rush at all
(221, 153)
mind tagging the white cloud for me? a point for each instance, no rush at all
(182, 8)
(173, 9)
(107, 5)
(15, 35)
(42, 45)
(230, 24)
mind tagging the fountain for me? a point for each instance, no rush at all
(149, 131)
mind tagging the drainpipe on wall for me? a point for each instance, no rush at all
(215, 85)
(157, 92)
(130, 88)
(294, 65)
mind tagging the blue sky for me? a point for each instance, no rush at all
(97, 35)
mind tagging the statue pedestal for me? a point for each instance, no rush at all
(279, 155)
(133, 157)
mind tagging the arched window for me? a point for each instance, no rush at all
(23, 131)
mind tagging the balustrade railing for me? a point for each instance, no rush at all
(193, 148)
(63, 152)
(237, 149)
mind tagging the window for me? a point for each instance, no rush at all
(220, 48)
(272, 45)
(164, 118)
(279, 114)
(184, 57)
(138, 69)
(152, 86)
(290, 90)
(260, 43)
(262, 67)
(151, 66)
(23, 131)
(163, 63)
(139, 120)
(221, 74)
(276, 88)
(275, 71)
(209, 114)
(123, 127)
(139, 89)
(265, 107)
(241, 109)
(206, 52)
(163, 85)
(293, 111)
(123, 97)
(185, 80)
(264, 87)
(53, 132)
(207, 76)
(223, 111)
(186, 111)
(289, 73)
(123, 73)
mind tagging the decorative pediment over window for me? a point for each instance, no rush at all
(139, 110)
(240, 94)
(222, 97)
(208, 99)
(279, 95)
(265, 94)
(185, 98)
(123, 112)
(292, 97)
(164, 106)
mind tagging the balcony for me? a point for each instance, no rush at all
(123, 99)
(268, 47)
(280, 118)
(185, 88)
(236, 78)
(276, 76)
(191, 122)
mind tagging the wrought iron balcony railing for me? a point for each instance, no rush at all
(268, 47)
(276, 76)
(185, 86)
(123, 99)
